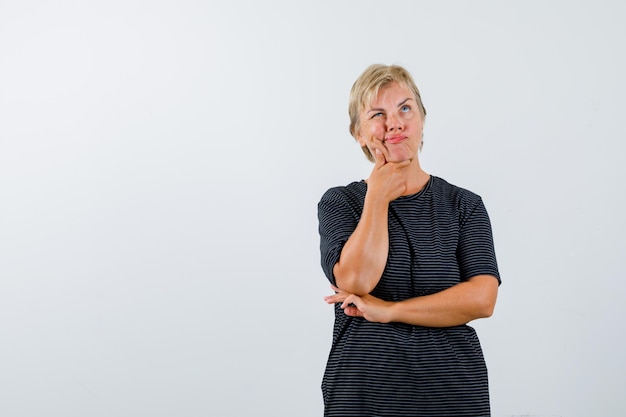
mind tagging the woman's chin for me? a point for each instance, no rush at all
(401, 156)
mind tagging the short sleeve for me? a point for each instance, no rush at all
(475, 252)
(337, 222)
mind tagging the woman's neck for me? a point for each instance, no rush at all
(416, 178)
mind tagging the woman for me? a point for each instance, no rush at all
(411, 260)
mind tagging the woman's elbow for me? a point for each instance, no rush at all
(352, 282)
(485, 295)
(353, 286)
(487, 310)
(487, 305)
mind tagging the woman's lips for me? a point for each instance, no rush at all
(394, 139)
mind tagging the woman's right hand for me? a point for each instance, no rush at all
(388, 179)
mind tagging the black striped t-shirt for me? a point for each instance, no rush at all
(437, 238)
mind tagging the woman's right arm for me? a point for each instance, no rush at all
(364, 255)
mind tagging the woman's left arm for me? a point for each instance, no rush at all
(459, 304)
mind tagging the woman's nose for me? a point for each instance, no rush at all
(394, 122)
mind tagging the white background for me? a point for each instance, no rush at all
(161, 164)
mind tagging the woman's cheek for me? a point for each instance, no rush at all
(377, 133)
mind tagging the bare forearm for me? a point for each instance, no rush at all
(364, 256)
(454, 306)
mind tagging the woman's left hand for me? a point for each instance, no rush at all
(366, 306)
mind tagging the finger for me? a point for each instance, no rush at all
(350, 299)
(335, 298)
(346, 302)
(379, 158)
(353, 312)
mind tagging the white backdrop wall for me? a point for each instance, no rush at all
(161, 163)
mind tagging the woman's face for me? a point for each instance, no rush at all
(392, 123)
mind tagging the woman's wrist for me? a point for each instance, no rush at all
(392, 312)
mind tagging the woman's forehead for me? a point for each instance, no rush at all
(374, 94)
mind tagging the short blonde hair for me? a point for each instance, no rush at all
(366, 87)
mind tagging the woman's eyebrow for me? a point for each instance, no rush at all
(399, 104)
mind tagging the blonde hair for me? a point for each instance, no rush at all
(366, 87)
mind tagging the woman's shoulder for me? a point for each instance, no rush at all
(354, 189)
(454, 193)
(351, 197)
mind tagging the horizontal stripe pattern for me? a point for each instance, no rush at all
(438, 238)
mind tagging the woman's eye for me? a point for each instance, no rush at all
(405, 108)
(379, 114)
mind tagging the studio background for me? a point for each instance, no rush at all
(161, 164)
